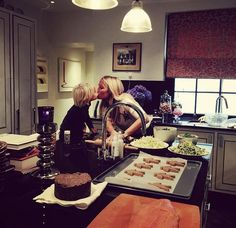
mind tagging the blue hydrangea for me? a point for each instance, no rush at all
(140, 94)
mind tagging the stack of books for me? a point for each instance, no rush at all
(18, 142)
(23, 151)
(24, 160)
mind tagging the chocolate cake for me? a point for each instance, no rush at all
(72, 186)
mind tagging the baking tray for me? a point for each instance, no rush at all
(183, 188)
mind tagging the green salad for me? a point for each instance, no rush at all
(149, 142)
(188, 148)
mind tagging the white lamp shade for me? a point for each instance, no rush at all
(136, 20)
(96, 4)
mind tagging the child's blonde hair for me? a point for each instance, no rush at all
(83, 93)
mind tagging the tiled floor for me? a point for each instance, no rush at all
(223, 211)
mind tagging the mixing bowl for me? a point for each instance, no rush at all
(165, 133)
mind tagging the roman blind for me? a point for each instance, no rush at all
(201, 44)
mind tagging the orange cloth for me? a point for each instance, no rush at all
(137, 211)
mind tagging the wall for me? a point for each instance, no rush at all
(102, 28)
(88, 36)
(61, 101)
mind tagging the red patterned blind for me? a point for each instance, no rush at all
(202, 44)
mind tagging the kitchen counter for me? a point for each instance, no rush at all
(199, 125)
(18, 209)
(186, 123)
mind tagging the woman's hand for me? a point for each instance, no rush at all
(112, 134)
(125, 135)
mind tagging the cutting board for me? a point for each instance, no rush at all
(120, 211)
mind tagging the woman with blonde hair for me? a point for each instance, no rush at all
(110, 91)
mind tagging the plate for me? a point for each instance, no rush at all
(172, 150)
(142, 144)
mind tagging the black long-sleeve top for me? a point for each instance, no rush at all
(75, 121)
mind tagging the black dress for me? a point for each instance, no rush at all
(73, 157)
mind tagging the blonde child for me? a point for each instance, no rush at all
(73, 157)
(78, 114)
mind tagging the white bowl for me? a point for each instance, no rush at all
(165, 133)
(216, 119)
(188, 137)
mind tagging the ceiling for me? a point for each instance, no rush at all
(67, 5)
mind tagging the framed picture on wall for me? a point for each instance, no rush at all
(42, 74)
(69, 74)
(126, 56)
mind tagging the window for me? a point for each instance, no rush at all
(198, 96)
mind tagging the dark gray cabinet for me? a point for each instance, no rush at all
(18, 76)
(225, 163)
(24, 74)
(5, 81)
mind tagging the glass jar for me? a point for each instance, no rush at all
(165, 106)
(165, 103)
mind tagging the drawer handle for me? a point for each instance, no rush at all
(18, 119)
(207, 207)
(209, 177)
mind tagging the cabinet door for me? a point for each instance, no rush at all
(5, 87)
(204, 137)
(24, 75)
(225, 158)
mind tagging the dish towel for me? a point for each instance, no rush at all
(48, 197)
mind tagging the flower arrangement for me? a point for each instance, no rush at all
(176, 104)
(177, 108)
(140, 94)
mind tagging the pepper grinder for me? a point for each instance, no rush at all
(47, 142)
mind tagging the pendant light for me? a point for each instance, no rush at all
(96, 4)
(136, 20)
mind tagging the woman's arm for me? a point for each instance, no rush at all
(135, 126)
(110, 127)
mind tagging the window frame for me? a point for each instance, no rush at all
(196, 92)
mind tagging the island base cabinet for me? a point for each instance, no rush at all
(226, 163)
(203, 137)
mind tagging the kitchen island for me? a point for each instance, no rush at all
(18, 209)
(223, 138)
